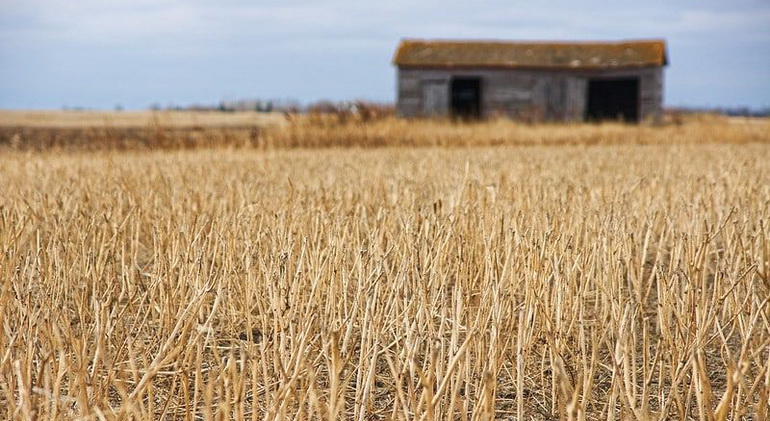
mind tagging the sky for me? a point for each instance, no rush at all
(103, 54)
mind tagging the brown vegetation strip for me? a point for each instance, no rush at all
(345, 130)
(128, 138)
(136, 119)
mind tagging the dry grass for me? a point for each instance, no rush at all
(579, 282)
(342, 129)
(129, 130)
(135, 119)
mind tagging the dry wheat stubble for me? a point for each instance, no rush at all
(580, 282)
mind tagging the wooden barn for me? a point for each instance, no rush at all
(535, 81)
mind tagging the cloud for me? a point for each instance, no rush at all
(96, 23)
(212, 25)
(281, 40)
(753, 24)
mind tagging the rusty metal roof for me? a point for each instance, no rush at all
(547, 55)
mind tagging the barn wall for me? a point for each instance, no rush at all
(514, 93)
(652, 94)
(526, 94)
(410, 100)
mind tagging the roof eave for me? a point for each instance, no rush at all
(523, 67)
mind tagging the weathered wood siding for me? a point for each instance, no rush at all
(526, 94)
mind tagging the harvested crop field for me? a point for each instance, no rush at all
(61, 132)
(592, 280)
(134, 119)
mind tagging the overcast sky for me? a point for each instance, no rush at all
(103, 53)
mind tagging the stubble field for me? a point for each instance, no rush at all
(596, 279)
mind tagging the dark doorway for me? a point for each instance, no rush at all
(466, 97)
(613, 99)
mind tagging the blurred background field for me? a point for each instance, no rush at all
(360, 127)
(135, 119)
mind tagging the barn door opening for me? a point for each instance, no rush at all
(466, 97)
(613, 99)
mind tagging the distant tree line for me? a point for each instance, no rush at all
(327, 106)
(278, 105)
(727, 111)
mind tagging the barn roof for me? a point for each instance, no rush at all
(545, 55)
